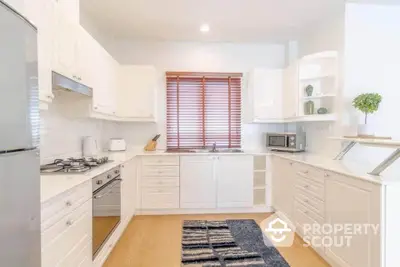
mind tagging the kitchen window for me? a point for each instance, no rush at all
(203, 109)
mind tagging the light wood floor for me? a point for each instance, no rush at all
(155, 241)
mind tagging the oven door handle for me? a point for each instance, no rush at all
(113, 185)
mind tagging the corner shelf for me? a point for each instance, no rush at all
(318, 97)
(260, 181)
(321, 71)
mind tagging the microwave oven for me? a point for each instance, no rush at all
(291, 142)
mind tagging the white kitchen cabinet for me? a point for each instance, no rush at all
(42, 14)
(104, 81)
(69, 10)
(67, 43)
(66, 230)
(216, 181)
(198, 182)
(265, 94)
(290, 91)
(137, 92)
(234, 181)
(128, 190)
(283, 178)
(349, 201)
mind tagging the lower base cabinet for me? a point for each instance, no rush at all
(216, 181)
(67, 230)
(198, 184)
(349, 201)
(322, 200)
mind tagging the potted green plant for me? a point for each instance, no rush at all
(367, 103)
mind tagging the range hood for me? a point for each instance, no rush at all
(60, 82)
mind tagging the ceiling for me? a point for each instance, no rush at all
(229, 20)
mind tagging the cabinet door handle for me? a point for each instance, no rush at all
(68, 203)
(69, 223)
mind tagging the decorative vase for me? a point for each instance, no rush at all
(309, 90)
(309, 108)
(365, 130)
(322, 111)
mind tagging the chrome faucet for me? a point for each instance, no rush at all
(214, 147)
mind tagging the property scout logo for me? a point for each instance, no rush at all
(280, 233)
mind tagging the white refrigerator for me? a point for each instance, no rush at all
(19, 142)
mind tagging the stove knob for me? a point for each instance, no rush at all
(109, 176)
(116, 171)
(99, 182)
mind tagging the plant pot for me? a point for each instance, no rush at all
(365, 130)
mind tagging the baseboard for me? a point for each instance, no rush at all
(204, 211)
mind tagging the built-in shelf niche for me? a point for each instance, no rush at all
(259, 180)
(321, 72)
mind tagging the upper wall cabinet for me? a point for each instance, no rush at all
(290, 96)
(42, 13)
(137, 93)
(102, 76)
(265, 95)
(67, 42)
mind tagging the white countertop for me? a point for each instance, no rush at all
(53, 185)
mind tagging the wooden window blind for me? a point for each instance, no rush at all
(202, 109)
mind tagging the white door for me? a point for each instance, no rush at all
(197, 185)
(42, 14)
(283, 179)
(103, 93)
(137, 92)
(128, 190)
(266, 86)
(290, 91)
(349, 201)
(66, 47)
(234, 181)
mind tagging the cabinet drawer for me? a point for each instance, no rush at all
(310, 187)
(300, 208)
(161, 171)
(160, 198)
(79, 254)
(160, 182)
(160, 160)
(310, 172)
(56, 208)
(59, 239)
(315, 204)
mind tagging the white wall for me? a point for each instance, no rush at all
(62, 132)
(186, 56)
(324, 36)
(372, 64)
(327, 35)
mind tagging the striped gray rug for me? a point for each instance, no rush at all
(225, 243)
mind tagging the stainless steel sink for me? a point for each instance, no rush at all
(228, 150)
(222, 150)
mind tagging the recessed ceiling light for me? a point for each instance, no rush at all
(205, 28)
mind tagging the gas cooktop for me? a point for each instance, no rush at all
(73, 165)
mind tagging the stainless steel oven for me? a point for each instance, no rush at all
(106, 206)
